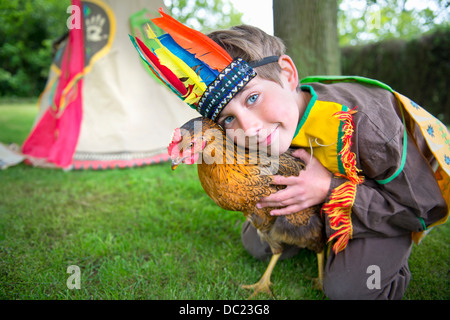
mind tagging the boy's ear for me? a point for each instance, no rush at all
(288, 71)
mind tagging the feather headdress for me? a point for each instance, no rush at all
(193, 66)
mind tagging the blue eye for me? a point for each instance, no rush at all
(228, 120)
(252, 99)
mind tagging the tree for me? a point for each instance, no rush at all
(363, 21)
(309, 30)
(204, 15)
(28, 28)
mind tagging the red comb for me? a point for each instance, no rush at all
(175, 140)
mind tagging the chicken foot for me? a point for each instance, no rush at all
(263, 285)
(318, 282)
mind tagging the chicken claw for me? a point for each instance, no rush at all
(263, 285)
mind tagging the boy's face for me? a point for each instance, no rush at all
(264, 113)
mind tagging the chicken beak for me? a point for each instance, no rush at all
(176, 163)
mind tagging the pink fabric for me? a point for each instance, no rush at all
(56, 134)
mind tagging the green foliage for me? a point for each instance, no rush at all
(205, 15)
(28, 28)
(417, 68)
(361, 21)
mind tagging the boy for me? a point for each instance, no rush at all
(383, 215)
(373, 195)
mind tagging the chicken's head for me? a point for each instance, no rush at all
(188, 142)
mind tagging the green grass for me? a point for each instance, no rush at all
(16, 120)
(145, 233)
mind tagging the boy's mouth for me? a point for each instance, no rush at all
(270, 138)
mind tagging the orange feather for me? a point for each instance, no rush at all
(194, 41)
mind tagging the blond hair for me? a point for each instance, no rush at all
(252, 44)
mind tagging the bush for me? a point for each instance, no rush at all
(28, 29)
(418, 68)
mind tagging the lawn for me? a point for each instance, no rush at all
(145, 233)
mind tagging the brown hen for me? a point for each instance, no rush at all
(236, 178)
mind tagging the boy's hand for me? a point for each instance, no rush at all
(308, 189)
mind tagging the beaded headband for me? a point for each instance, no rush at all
(194, 67)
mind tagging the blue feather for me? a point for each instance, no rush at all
(203, 70)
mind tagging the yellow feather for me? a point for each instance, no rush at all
(194, 96)
(176, 65)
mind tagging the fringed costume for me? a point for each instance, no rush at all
(361, 129)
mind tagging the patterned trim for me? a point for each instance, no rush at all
(109, 156)
(102, 161)
(227, 84)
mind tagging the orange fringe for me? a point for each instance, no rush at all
(348, 157)
(338, 210)
(339, 207)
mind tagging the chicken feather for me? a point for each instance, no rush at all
(238, 182)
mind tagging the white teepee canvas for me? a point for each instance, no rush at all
(101, 107)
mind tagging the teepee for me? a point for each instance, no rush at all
(101, 108)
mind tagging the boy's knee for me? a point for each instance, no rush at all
(336, 287)
(348, 277)
(348, 286)
(368, 269)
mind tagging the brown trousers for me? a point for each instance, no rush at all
(368, 269)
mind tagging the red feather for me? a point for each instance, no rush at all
(194, 41)
(165, 72)
(160, 77)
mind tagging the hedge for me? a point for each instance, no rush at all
(417, 68)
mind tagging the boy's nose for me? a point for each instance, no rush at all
(251, 126)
